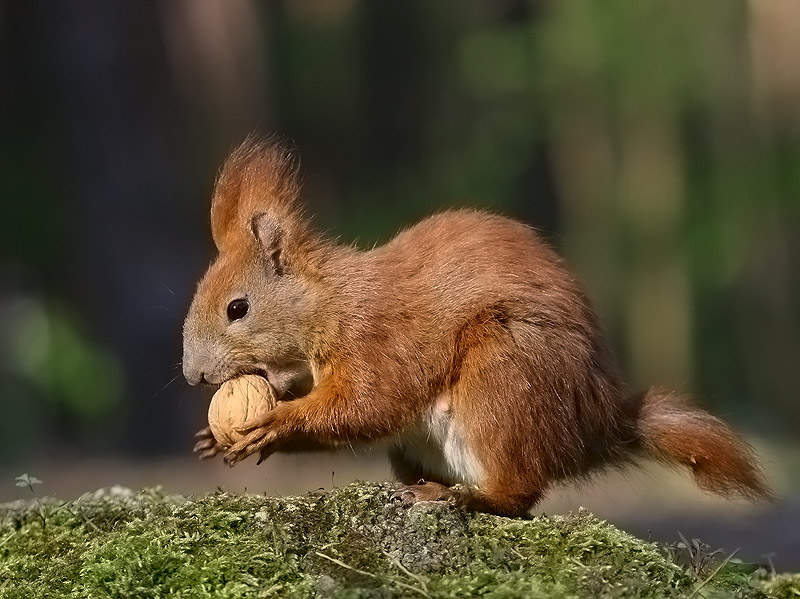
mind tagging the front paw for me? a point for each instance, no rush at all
(259, 437)
(207, 446)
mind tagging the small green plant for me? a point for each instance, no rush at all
(695, 555)
(704, 565)
(25, 480)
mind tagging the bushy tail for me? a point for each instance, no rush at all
(673, 432)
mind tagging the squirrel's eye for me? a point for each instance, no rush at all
(237, 309)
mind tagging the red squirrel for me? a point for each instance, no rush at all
(464, 342)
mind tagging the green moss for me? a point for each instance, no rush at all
(783, 585)
(351, 542)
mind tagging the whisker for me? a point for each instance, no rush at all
(161, 369)
(175, 378)
(167, 288)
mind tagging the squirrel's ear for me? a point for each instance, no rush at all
(223, 215)
(272, 239)
(259, 176)
(228, 192)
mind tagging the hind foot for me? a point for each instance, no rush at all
(429, 491)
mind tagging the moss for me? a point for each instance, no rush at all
(350, 542)
(783, 585)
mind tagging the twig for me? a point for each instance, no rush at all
(7, 538)
(370, 574)
(519, 555)
(406, 571)
(88, 520)
(713, 574)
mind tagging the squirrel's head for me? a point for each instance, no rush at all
(253, 307)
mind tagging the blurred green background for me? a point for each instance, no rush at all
(656, 144)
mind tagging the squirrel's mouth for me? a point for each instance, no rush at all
(281, 394)
(288, 381)
(260, 372)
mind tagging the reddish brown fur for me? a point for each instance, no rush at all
(672, 431)
(467, 320)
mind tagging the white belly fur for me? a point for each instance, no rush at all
(438, 446)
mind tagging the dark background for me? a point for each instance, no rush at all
(656, 144)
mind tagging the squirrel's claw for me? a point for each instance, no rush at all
(207, 449)
(204, 433)
(204, 445)
(207, 446)
(204, 442)
(256, 441)
(209, 453)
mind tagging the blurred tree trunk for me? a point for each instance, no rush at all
(657, 298)
(115, 127)
(132, 266)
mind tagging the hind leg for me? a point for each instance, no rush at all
(497, 496)
(421, 484)
(492, 501)
(506, 417)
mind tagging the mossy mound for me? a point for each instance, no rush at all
(350, 542)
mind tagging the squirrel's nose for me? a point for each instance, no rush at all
(194, 377)
(197, 376)
(200, 366)
(195, 381)
(193, 372)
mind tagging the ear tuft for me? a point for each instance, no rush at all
(259, 176)
(272, 239)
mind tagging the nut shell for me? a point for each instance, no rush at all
(237, 401)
